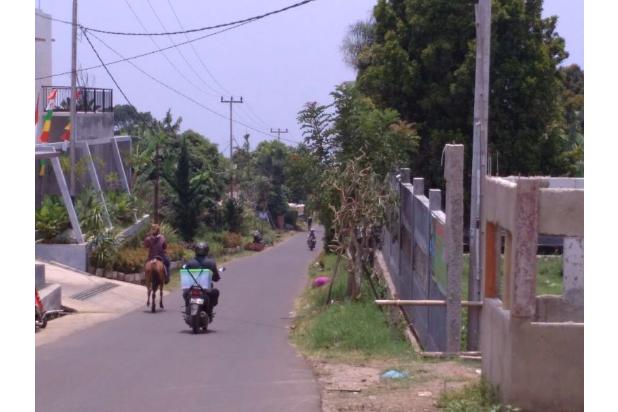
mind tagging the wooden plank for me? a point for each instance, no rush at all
(422, 302)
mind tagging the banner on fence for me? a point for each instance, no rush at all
(438, 254)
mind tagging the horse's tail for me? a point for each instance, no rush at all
(154, 277)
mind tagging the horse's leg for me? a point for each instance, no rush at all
(148, 292)
(161, 296)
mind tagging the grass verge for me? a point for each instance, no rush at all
(346, 329)
(477, 397)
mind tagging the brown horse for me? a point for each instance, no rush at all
(155, 278)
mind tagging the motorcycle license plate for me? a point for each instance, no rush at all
(199, 301)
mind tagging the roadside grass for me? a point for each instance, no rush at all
(548, 279)
(477, 397)
(345, 329)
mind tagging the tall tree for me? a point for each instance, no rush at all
(317, 129)
(421, 63)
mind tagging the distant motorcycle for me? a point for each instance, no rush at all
(311, 242)
(196, 314)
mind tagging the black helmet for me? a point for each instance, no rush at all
(201, 249)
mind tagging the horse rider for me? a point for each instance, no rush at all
(201, 261)
(156, 245)
(309, 222)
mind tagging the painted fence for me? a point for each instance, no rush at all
(415, 249)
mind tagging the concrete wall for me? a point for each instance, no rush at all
(73, 255)
(537, 366)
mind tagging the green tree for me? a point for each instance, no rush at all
(127, 120)
(421, 63)
(363, 128)
(317, 129)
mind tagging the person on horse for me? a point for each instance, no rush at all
(201, 261)
(156, 245)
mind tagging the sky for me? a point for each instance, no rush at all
(276, 64)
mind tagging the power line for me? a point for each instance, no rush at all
(164, 54)
(279, 131)
(177, 49)
(195, 51)
(176, 90)
(106, 69)
(217, 26)
(249, 113)
(137, 56)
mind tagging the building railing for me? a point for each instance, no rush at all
(89, 99)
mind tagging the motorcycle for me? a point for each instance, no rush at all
(41, 316)
(311, 243)
(196, 313)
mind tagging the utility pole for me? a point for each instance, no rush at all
(479, 164)
(231, 102)
(279, 131)
(73, 94)
(156, 184)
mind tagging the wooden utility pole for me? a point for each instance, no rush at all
(279, 131)
(156, 185)
(479, 162)
(73, 94)
(231, 102)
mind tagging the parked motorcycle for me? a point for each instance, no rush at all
(196, 313)
(41, 316)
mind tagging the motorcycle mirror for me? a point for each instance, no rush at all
(222, 269)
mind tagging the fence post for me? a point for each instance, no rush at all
(453, 174)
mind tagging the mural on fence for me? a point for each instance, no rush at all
(438, 254)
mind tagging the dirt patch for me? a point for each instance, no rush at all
(349, 387)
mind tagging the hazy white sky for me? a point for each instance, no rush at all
(276, 64)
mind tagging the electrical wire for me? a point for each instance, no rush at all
(247, 114)
(217, 26)
(223, 89)
(162, 52)
(106, 69)
(137, 56)
(178, 49)
(177, 91)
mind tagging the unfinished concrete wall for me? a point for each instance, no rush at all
(533, 345)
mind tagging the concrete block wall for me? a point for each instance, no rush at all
(533, 345)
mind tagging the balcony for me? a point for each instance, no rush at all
(89, 99)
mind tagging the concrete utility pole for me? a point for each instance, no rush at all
(279, 131)
(231, 102)
(479, 163)
(73, 94)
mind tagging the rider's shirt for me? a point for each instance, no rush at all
(156, 246)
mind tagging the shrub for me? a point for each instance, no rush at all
(233, 215)
(231, 240)
(104, 249)
(291, 216)
(175, 251)
(131, 260)
(216, 249)
(215, 218)
(171, 234)
(122, 207)
(51, 219)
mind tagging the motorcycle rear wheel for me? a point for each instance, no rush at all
(195, 324)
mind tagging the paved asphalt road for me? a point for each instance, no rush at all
(152, 362)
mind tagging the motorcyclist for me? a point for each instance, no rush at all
(201, 261)
(312, 234)
(156, 245)
(309, 222)
(257, 237)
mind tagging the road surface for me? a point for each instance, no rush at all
(152, 362)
